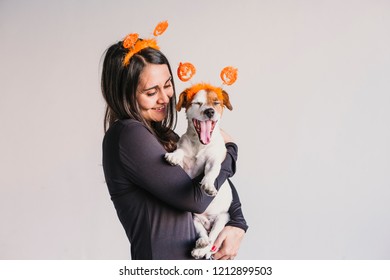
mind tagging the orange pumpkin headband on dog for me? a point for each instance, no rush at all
(186, 71)
(134, 44)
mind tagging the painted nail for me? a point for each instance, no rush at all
(213, 249)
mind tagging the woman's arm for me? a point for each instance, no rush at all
(142, 157)
(235, 211)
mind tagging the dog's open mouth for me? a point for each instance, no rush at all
(204, 129)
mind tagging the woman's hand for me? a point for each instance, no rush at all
(227, 243)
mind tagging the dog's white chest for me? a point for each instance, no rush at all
(220, 203)
(194, 161)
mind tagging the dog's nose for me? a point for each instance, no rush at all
(209, 112)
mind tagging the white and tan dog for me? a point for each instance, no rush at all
(202, 149)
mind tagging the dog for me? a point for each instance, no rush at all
(202, 149)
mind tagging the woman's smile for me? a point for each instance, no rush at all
(159, 109)
(154, 92)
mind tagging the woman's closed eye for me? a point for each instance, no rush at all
(151, 93)
(168, 83)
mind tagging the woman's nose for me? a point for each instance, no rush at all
(164, 96)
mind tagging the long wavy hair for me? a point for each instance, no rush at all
(119, 86)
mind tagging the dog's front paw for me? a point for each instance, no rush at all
(202, 248)
(208, 187)
(202, 243)
(200, 253)
(174, 158)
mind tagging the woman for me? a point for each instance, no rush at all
(153, 199)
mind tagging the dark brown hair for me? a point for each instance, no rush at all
(119, 86)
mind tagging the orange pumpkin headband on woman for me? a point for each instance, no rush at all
(134, 44)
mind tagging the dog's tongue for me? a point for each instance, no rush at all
(205, 132)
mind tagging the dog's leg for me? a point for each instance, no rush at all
(176, 157)
(206, 241)
(211, 171)
(202, 244)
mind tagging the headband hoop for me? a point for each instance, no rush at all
(134, 44)
(186, 71)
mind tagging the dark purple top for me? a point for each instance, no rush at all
(153, 199)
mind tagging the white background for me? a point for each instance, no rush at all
(311, 118)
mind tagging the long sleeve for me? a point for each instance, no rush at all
(236, 216)
(142, 162)
(229, 169)
(228, 166)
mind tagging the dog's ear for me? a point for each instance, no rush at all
(226, 101)
(182, 103)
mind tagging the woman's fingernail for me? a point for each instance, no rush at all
(213, 249)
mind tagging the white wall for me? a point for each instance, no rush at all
(310, 117)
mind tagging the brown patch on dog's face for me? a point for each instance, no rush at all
(226, 100)
(204, 111)
(212, 100)
(183, 101)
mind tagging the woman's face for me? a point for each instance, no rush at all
(154, 92)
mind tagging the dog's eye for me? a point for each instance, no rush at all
(197, 103)
(217, 103)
